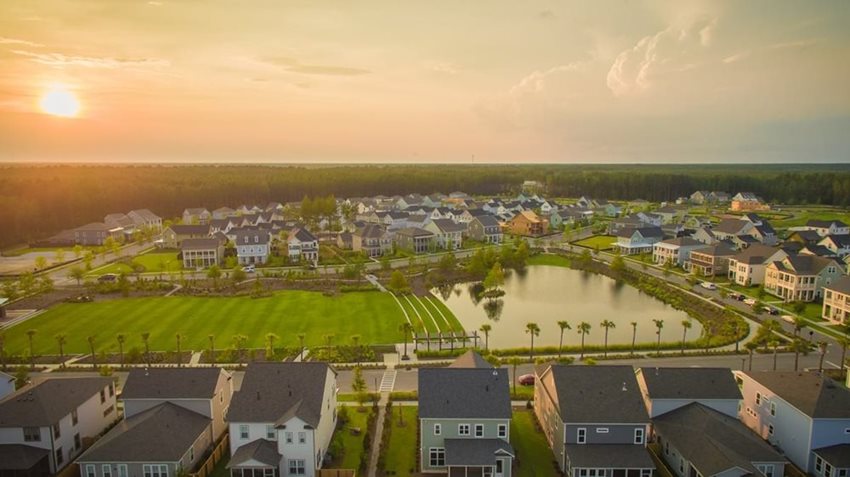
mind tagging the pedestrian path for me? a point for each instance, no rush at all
(196, 358)
(19, 316)
(388, 381)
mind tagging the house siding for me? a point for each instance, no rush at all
(449, 430)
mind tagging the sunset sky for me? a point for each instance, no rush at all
(436, 81)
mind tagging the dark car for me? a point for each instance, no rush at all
(526, 380)
(107, 278)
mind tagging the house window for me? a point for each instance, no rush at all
(106, 470)
(74, 418)
(581, 435)
(500, 466)
(437, 429)
(302, 437)
(503, 430)
(479, 430)
(758, 399)
(155, 470)
(827, 469)
(122, 470)
(243, 431)
(437, 457)
(90, 471)
(639, 435)
(57, 432)
(60, 457)
(32, 434)
(766, 470)
(77, 442)
(773, 409)
(270, 433)
(463, 429)
(111, 390)
(296, 467)
(289, 438)
(102, 396)
(602, 430)
(191, 454)
(268, 472)
(646, 473)
(818, 464)
(770, 429)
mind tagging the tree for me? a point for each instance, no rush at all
(179, 338)
(659, 324)
(214, 273)
(514, 361)
(239, 344)
(774, 343)
(329, 339)
(238, 275)
(634, 336)
(583, 330)
(30, 335)
(61, 339)
(844, 341)
(533, 330)
(398, 282)
(301, 337)
(686, 325)
(270, 339)
(799, 345)
(3, 351)
(60, 256)
(78, 250)
(486, 328)
(562, 325)
(618, 264)
(121, 338)
(146, 339)
(822, 346)
(607, 324)
(22, 377)
(405, 328)
(495, 278)
(91, 339)
(358, 385)
(751, 346)
(799, 324)
(40, 262)
(211, 338)
(447, 262)
(76, 273)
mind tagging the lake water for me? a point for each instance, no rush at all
(547, 294)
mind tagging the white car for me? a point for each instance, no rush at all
(750, 301)
(249, 269)
(708, 285)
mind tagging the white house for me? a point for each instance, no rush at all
(828, 227)
(252, 246)
(638, 240)
(674, 251)
(303, 245)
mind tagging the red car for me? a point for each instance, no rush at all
(527, 380)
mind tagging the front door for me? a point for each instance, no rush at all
(500, 468)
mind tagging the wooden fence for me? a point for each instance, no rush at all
(221, 449)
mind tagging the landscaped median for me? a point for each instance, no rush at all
(399, 445)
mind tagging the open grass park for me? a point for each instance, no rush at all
(374, 316)
(601, 242)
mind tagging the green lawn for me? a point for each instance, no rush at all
(164, 261)
(69, 251)
(372, 315)
(603, 242)
(534, 457)
(803, 215)
(350, 444)
(454, 324)
(400, 455)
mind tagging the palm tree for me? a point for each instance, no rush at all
(844, 342)
(514, 362)
(212, 348)
(301, 337)
(179, 338)
(800, 346)
(822, 345)
(659, 324)
(121, 339)
(329, 339)
(355, 340)
(270, 339)
(799, 324)
(634, 336)
(90, 339)
(30, 335)
(486, 328)
(146, 338)
(774, 343)
(239, 343)
(61, 339)
(563, 325)
(686, 325)
(607, 324)
(405, 329)
(533, 330)
(751, 348)
(583, 330)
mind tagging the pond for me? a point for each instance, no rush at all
(547, 294)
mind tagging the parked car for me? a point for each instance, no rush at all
(750, 301)
(788, 318)
(249, 269)
(770, 310)
(708, 285)
(107, 277)
(526, 380)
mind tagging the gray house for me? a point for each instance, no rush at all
(465, 419)
(667, 389)
(415, 239)
(804, 414)
(485, 228)
(594, 419)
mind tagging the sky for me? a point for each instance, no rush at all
(602, 81)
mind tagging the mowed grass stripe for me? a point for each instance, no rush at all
(452, 319)
(418, 326)
(372, 315)
(429, 323)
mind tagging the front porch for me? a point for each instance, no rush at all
(479, 457)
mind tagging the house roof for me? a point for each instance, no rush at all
(746, 196)
(144, 213)
(756, 254)
(842, 285)
(467, 393)
(97, 226)
(447, 225)
(486, 220)
(529, 215)
(172, 383)
(17, 457)
(303, 235)
(470, 359)
(371, 231)
(163, 433)
(803, 264)
(731, 226)
(272, 391)
(187, 229)
(840, 241)
(825, 224)
(43, 404)
(720, 249)
(253, 236)
(414, 232)
(608, 455)
(690, 383)
(814, 395)
(838, 455)
(475, 452)
(200, 244)
(597, 394)
(263, 451)
(627, 232)
(713, 441)
(807, 235)
(682, 242)
(195, 210)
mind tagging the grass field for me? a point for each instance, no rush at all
(803, 215)
(603, 242)
(400, 455)
(351, 444)
(69, 251)
(533, 453)
(152, 261)
(372, 315)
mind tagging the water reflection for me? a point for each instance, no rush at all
(494, 308)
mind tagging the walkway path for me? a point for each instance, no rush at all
(387, 383)
(20, 316)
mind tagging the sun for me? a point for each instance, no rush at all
(58, 101)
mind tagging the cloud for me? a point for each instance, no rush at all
(794, 44)
(293, 65)
(546, 15)
(736, 57)
(798, 44)
(706, 33)
(18, 41)
(61, 60)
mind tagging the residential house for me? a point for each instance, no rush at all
(608, 209)
(448, 235)
(837, 244)
(282, 419)
(836, 301)
(586, 203)
(532, 187)
(699, 197)
(674, 251)
(275, 207)
(828, 227)
(527, 223)
(7, 381)
(805, 414)
(668, 389)
(486, 229)
(44, 426)
(373, 240)
(174, 235)
(632, 241)
(650, 218)
(565, 217)
(801, 277)
(670, 214)
(747, 267)
(144, 218)
(747, 201)
(729, 228)
(395, 220)
(764, 233)
(196, 215)
(96, 233)
(467, 215)
(122, 221)
(410, 200)
(202, 252)
(804, 237)
(710, 260)
(594, 419)
(719, 197)
(632, 221)
(414, 239)
(303, 245)
(223, 213)
(344, 240)
(465, 419)
(704, 235)
(252, 246)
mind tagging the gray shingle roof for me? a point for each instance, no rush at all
(682, 242)
(712, 441)
(414, 232)
(200, 244)
(825, 224)
(598, 394)
(486, 220)
(447, 225)
(690, 383)
(731, 226)
(470, 359)
(602, 456)
(755, 254)
(476, 452)
(263, 451)
(43, 404)
(163, 433)
(17, 457)
(837, 455)
(172, 383)
(182, 229)
(842, 285)
(467, 393)
(814, 395)
(272, 391)
(627, 232)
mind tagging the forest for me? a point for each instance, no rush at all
(37, 201)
